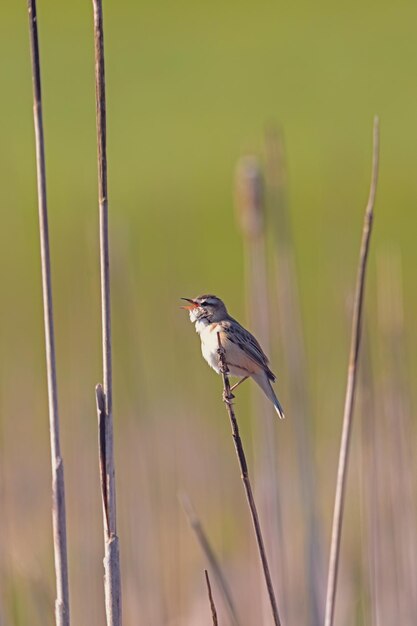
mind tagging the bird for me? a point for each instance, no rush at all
(244, 356)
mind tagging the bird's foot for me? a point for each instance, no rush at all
(228, 397)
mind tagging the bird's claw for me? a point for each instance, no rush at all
(228, 397)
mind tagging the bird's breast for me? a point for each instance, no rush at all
(239, 363)
(209, 345)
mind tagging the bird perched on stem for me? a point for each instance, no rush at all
(244, 356)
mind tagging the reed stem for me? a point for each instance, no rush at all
(62, 612)
(227, 397)
(104, 394)
(351, 388)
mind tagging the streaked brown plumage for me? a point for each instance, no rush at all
(244, 356)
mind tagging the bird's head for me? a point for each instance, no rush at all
(207, 307)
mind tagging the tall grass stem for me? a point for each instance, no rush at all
(62, 611)
(211, 600)
(104, 395)
(211, 557)
(227, 396)
(250, 206)
(351, 388)
(293, 345)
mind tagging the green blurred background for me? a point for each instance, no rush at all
(190, 88)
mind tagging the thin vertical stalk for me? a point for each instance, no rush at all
(250, 205)
(62, 613)
(227, 396)
(293, 344)
(112, 584)
(351, 388)
(103, 201)
(211, 557)
(211, 600)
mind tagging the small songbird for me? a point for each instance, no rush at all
(244, 356)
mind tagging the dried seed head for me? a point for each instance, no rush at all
(249, 196)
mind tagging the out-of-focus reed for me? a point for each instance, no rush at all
(250, 200)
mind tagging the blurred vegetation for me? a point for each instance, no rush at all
(190, 88)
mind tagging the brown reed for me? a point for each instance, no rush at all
(62, 611)
(211, 600)
(292, 339)
(251, 214)
(210, 555)
(112, 582)
(351, 388)
(228, 397)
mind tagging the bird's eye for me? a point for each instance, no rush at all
(203, 303)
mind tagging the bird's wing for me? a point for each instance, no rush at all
(247, 342)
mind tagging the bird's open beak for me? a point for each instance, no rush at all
(191, 306)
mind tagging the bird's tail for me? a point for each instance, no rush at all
(265, 384)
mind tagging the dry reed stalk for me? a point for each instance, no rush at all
(210, 596)
(293, 345)
(112, 583)
(62, 612)
(250, 207)
(227, 396)
(351, 388)
(208, 551)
